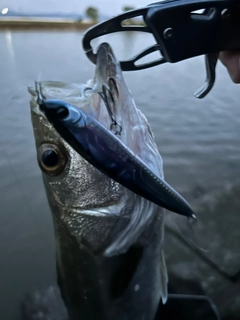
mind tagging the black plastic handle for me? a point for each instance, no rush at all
(111, 26)
(180, 32)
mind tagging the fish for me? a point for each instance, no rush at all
(109, 241)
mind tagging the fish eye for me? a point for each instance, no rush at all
(50, 159)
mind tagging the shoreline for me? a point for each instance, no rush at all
(36, 24)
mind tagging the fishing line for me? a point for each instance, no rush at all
(202, 256)
(191, 226)
(19, 90)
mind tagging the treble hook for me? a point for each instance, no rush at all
(210, 62)
(105, 95)
(40, 95)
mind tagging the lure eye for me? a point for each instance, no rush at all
(50, 159)
(62, 113)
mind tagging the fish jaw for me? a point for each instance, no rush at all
(107, 66)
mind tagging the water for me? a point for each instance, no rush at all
(198, 140)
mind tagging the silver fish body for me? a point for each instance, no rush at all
(109, 241)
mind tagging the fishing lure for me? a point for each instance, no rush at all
(106, 152)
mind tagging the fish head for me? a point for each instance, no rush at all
(101, 214)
